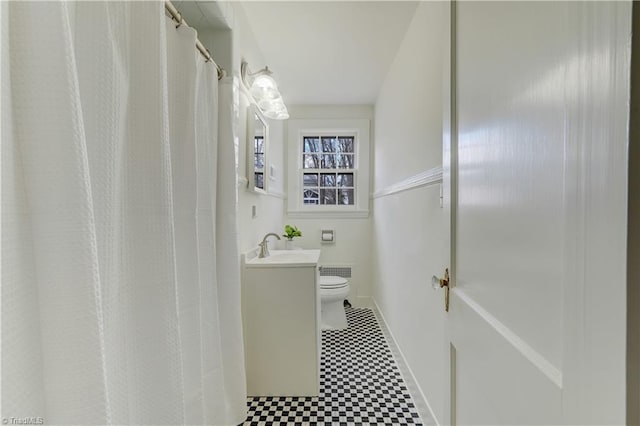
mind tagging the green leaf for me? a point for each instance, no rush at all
(291, 231)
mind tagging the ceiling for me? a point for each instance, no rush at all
(321, 52)
(329, 52)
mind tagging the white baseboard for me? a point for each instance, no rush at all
(420, 401)
(363, 302)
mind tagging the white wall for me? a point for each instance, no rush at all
(269, 207)
(230, 47)
(410, 230)
(353, 235)
(219, 42)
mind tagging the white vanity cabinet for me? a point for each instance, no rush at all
(281, 320)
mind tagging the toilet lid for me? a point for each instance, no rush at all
(332, 282)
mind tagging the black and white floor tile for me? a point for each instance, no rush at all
(360, 383)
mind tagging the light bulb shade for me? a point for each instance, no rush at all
(264, 91)
(264, 87)
(277, 113)
(274, 108)
(282, 115)
(275, 105)
(265, 104)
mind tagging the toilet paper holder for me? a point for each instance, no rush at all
(327, 236)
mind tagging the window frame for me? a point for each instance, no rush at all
(263, 170)
(254, 114)
(319, 171)
(300, 128)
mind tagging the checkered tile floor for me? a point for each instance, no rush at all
(360, 383)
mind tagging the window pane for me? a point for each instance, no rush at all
(345, 179)
(259, 163)
(259, 180)
(345, 161)
(310, 179)
(311, 144)
(310, 196)
(329, 144)
(311, 161)
(311, 193)
(328, 179)
(328, 196)
(259, 144)
(329, 161)
(345, 144)
(345, 196)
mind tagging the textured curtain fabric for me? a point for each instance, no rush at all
(228, 272)
(117, 306)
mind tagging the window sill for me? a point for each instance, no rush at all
(328, 214)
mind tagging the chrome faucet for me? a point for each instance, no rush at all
(264, 248)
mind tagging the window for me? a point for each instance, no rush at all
(258, 161)
(328, 162)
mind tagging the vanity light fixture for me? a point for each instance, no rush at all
(264, 90)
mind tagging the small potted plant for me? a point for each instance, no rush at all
(289, 233)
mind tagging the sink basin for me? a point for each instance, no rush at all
(284, 258)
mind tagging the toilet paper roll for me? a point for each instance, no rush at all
(327, 236)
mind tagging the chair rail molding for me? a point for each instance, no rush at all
(428, 177)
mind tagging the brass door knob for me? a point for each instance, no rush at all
(437, 283)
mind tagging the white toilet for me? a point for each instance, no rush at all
(333, 291)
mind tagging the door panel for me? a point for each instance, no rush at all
(510, 162)
(534, 156)
(497, 380)
(507, 305)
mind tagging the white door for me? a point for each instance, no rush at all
(535, 179)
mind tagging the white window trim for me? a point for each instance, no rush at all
(328, 127)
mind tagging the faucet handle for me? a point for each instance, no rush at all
(264, 247)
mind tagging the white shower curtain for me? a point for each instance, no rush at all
(120, 279)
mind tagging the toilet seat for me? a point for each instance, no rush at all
(330, 282)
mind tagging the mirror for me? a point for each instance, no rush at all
(257, 141)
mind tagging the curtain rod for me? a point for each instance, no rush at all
(177, 16)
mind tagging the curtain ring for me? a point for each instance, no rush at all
(208, 55)
(180, 22)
